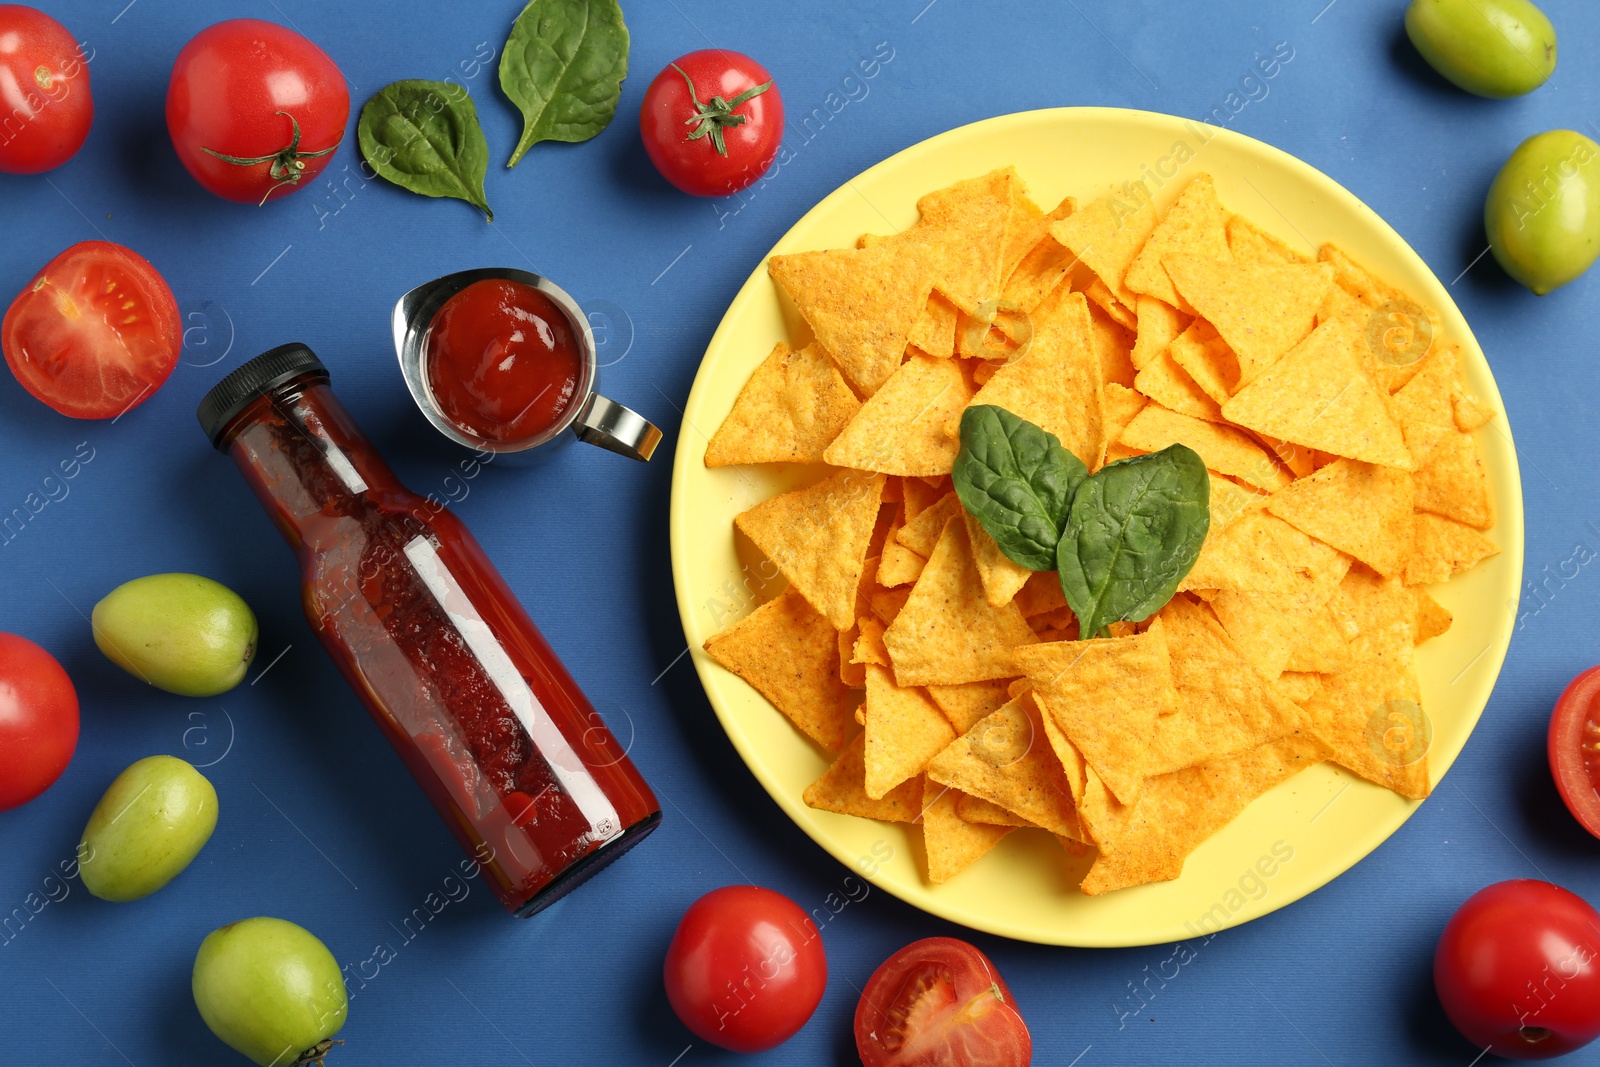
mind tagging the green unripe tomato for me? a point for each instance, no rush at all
(153, 820)
(180, 632)
(270, 990)
(1543, 210)
(1489, 47)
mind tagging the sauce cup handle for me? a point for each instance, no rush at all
(616, 428)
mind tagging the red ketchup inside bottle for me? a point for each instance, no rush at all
(513, 756)
(503, 360)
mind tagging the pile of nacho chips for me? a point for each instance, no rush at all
(948, 680)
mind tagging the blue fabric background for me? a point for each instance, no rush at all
(320, 823)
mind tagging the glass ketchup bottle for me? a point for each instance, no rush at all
(491, 725)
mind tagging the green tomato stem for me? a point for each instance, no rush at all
(711, 117)
(287, 162)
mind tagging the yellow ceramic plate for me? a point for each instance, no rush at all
(1288, 843)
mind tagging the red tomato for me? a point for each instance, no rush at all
(44, 92)
(95, 333)
(712, 122)
(255, 109)
(38, 720)
(1518, 970)
(746, 968)
(939, 1002)
(1574, 748)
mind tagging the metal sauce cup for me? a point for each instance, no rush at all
(590, 416)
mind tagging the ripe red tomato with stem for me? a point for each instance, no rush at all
(44, 92)
(38, 720)
(712, 122)
(255, 109)
(1574, 748)
(1518, 970)
(95, 333)
(939, 1002)
(746, 968)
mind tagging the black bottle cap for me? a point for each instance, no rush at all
(261, 375)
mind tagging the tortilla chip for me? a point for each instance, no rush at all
(1105, 694)
(923, 533)
(1224, 449)
(868, 646)
(1107, 234)
(1259, 552)
(901, 429)
(1043, 267)
(1470, 412)
(1261, 309)
(1249, 243)
(1158, 324)
(948, 633)
(1056, 383)
(934, 332)
(1266, 628)
(1113, 346)
(792, 408)
(1319, 395)
(1361, 509)
(1425, 407)
(919, 495)
(787, 652)
(952, 843)
(967, 704)
(899, 565)
(976, 809)
(1041, 594)
(1369, 713)
(1443, 546)
(1432, 618)
(1194, 226)
(1207, 360)
(1180, 810)
(1452, 482)
(1323, 647)
(818, 538)
(905, 729)
(1002, 578)
(1229, 500)
(1007, 760)
(1373, 294)
(1298, 686)
(965, 226)
(860, 303)
(1103, 302)
(842, 788)
(1170, 386)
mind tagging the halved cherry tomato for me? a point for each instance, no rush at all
(95, 333)
(1574, 748)
(939, 1002)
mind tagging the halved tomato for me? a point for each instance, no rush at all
(1574, 748)
(939, 1002)
(95, 333)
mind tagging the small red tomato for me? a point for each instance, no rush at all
(44, 92)
(255, 109)
(939, 1002)
(95, 333)
(1518, 970)
(712, 122)
(1574, 748)
(38, 720)
(746, 968)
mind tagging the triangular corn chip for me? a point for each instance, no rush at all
(1113, 345)
(1007, 760)
(1171, 387)
(1209, 361)
(976, 809)
(965, 225)
(1107, 234)
(897, 564)
(1298, 686)
(968, 704)
(1452, 482)
(1250, 244)
(1001, 577)
(1442, 546)
(952, 843)
(1425, 406)
(1195, 226)
(860, 303)
(948, 633)
(1158, 324)
(1261, 309)
(1224, 449)
(1105, 694)
(1041, 594)
(1043, 266)
(818, 538)
(792, 408)
(922, 534)
(905, 729)
(787, 652)
(934, 332)
(1259, 552)
(868, 645)
(1432, 618)
(842, 788)
(1322, 648)
(901, 429)
(1319, 395)
(1359, 508)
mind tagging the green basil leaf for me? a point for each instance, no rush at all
(1017, 481)
(1134, 531)
(563, 67)
(424, 136)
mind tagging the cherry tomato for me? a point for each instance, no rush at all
(1518, 970)
(255, 109)
(1574, 748)
(712, 122)
(746, 968)
(44, 92)
(95, 332)
(38, 720)
(939, 1002)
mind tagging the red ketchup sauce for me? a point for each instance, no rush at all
(502, 360)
